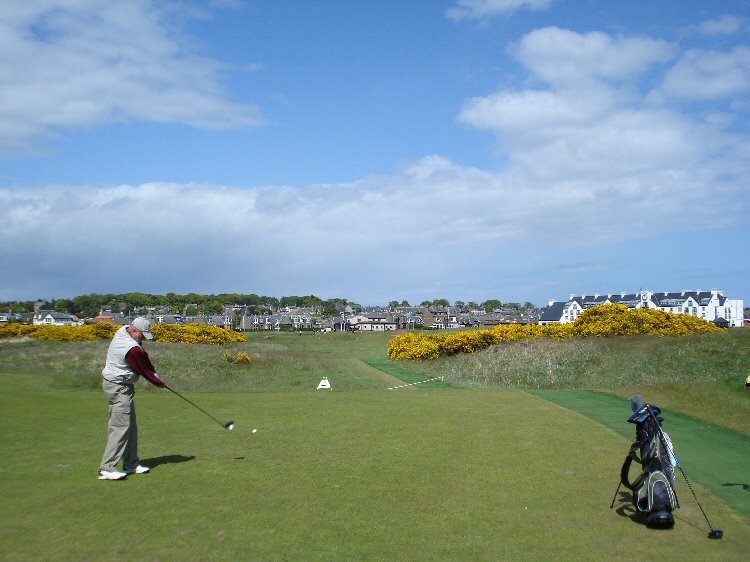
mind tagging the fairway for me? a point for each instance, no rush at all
(418, 474)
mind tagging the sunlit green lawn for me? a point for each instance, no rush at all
(356, 473)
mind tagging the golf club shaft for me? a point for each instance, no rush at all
(194, 405)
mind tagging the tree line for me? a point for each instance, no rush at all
(86, 306)
(191, 304)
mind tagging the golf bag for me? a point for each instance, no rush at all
(654, 489)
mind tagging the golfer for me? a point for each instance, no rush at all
(126, 361)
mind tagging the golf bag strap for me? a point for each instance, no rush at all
(633, 454)
(625, 475)
(625, 471)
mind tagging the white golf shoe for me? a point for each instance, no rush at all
(112, 475)
(137, 470)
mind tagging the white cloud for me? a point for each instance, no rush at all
(562, 57)
(527, 111)
(370, 235)
(481, 9)
(600, 155)
(590, 124)
(708, 75)
(723, 25)
(78, 64)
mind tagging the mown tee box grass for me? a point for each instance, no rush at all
(367, 475)
(357, 472)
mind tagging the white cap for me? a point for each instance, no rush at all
(143, 325)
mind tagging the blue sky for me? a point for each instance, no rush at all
(520, 150)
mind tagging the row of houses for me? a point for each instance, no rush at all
(711, 305)
(375, 319)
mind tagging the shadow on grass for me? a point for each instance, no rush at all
(626, 508)
(745, 487)
(167, 459)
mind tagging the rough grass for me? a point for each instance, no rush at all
(701, 375)
(281, 362)
(599, 362)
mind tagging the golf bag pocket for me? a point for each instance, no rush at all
(655, 497)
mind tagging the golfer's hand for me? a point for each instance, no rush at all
(158, 382)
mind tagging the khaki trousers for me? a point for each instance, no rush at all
(122, 432)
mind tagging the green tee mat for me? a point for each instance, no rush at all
(716, 457)
(397, 370)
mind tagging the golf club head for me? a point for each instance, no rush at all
(642, 414)
(636, 402)
(715, 534)
(229, 425)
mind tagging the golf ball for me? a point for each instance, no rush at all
(255, 431)
(230, 427)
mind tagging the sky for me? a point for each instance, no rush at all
(519, 150)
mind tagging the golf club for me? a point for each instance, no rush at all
(713, 533)
(229, 425)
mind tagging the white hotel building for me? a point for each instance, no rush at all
(710, 305)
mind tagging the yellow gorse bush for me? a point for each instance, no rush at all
(604, 321)
(466, 342)
(171, 333)
(557, 331)
(414, 346)
(241, 357)
(619, 320)
(195, 333)
(88, 332)
(15, 330)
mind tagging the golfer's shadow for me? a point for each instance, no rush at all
(745, 487)
(166, 459)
